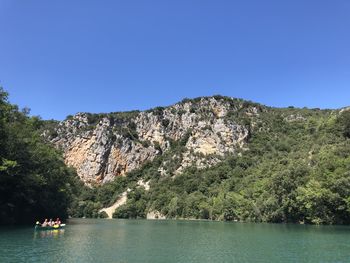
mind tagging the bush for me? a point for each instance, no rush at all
(103, 214)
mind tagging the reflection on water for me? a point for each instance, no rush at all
(55, 233)
(134, 241)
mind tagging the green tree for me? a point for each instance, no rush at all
(34, 181)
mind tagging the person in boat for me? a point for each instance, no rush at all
(57, 222)
(51, 223)
(45, 223)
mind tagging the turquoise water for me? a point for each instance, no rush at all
(134, 241)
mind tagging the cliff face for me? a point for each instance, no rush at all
(260, 164)
(103, 146)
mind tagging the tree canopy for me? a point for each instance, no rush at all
(34, 181)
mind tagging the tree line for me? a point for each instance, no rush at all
(34, 181)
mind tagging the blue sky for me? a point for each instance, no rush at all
(62, 57)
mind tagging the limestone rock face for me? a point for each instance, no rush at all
(103, 146)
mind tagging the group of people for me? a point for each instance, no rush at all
(50, 222)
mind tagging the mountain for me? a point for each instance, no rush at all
(103, 146)
(215, 158)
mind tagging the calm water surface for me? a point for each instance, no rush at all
(134, 241)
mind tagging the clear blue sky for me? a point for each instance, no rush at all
(62, 57)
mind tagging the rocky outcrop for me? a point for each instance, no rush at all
(155, 215)
(103, 146)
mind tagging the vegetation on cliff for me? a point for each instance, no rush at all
(294, 164)
(34, 181)
(294, 168)
(292, 172)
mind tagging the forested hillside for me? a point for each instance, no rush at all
(34, 181)
(294, 166)
(213, 158)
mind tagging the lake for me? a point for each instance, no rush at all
(124, 241)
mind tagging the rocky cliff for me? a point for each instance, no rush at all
(257, 163)
(103, 146)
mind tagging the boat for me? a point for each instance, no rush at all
(39, 227)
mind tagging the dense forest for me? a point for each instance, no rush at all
(295, 168)
(34, 181)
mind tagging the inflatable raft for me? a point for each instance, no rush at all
(39, 227)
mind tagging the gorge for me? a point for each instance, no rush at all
(215, 158)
